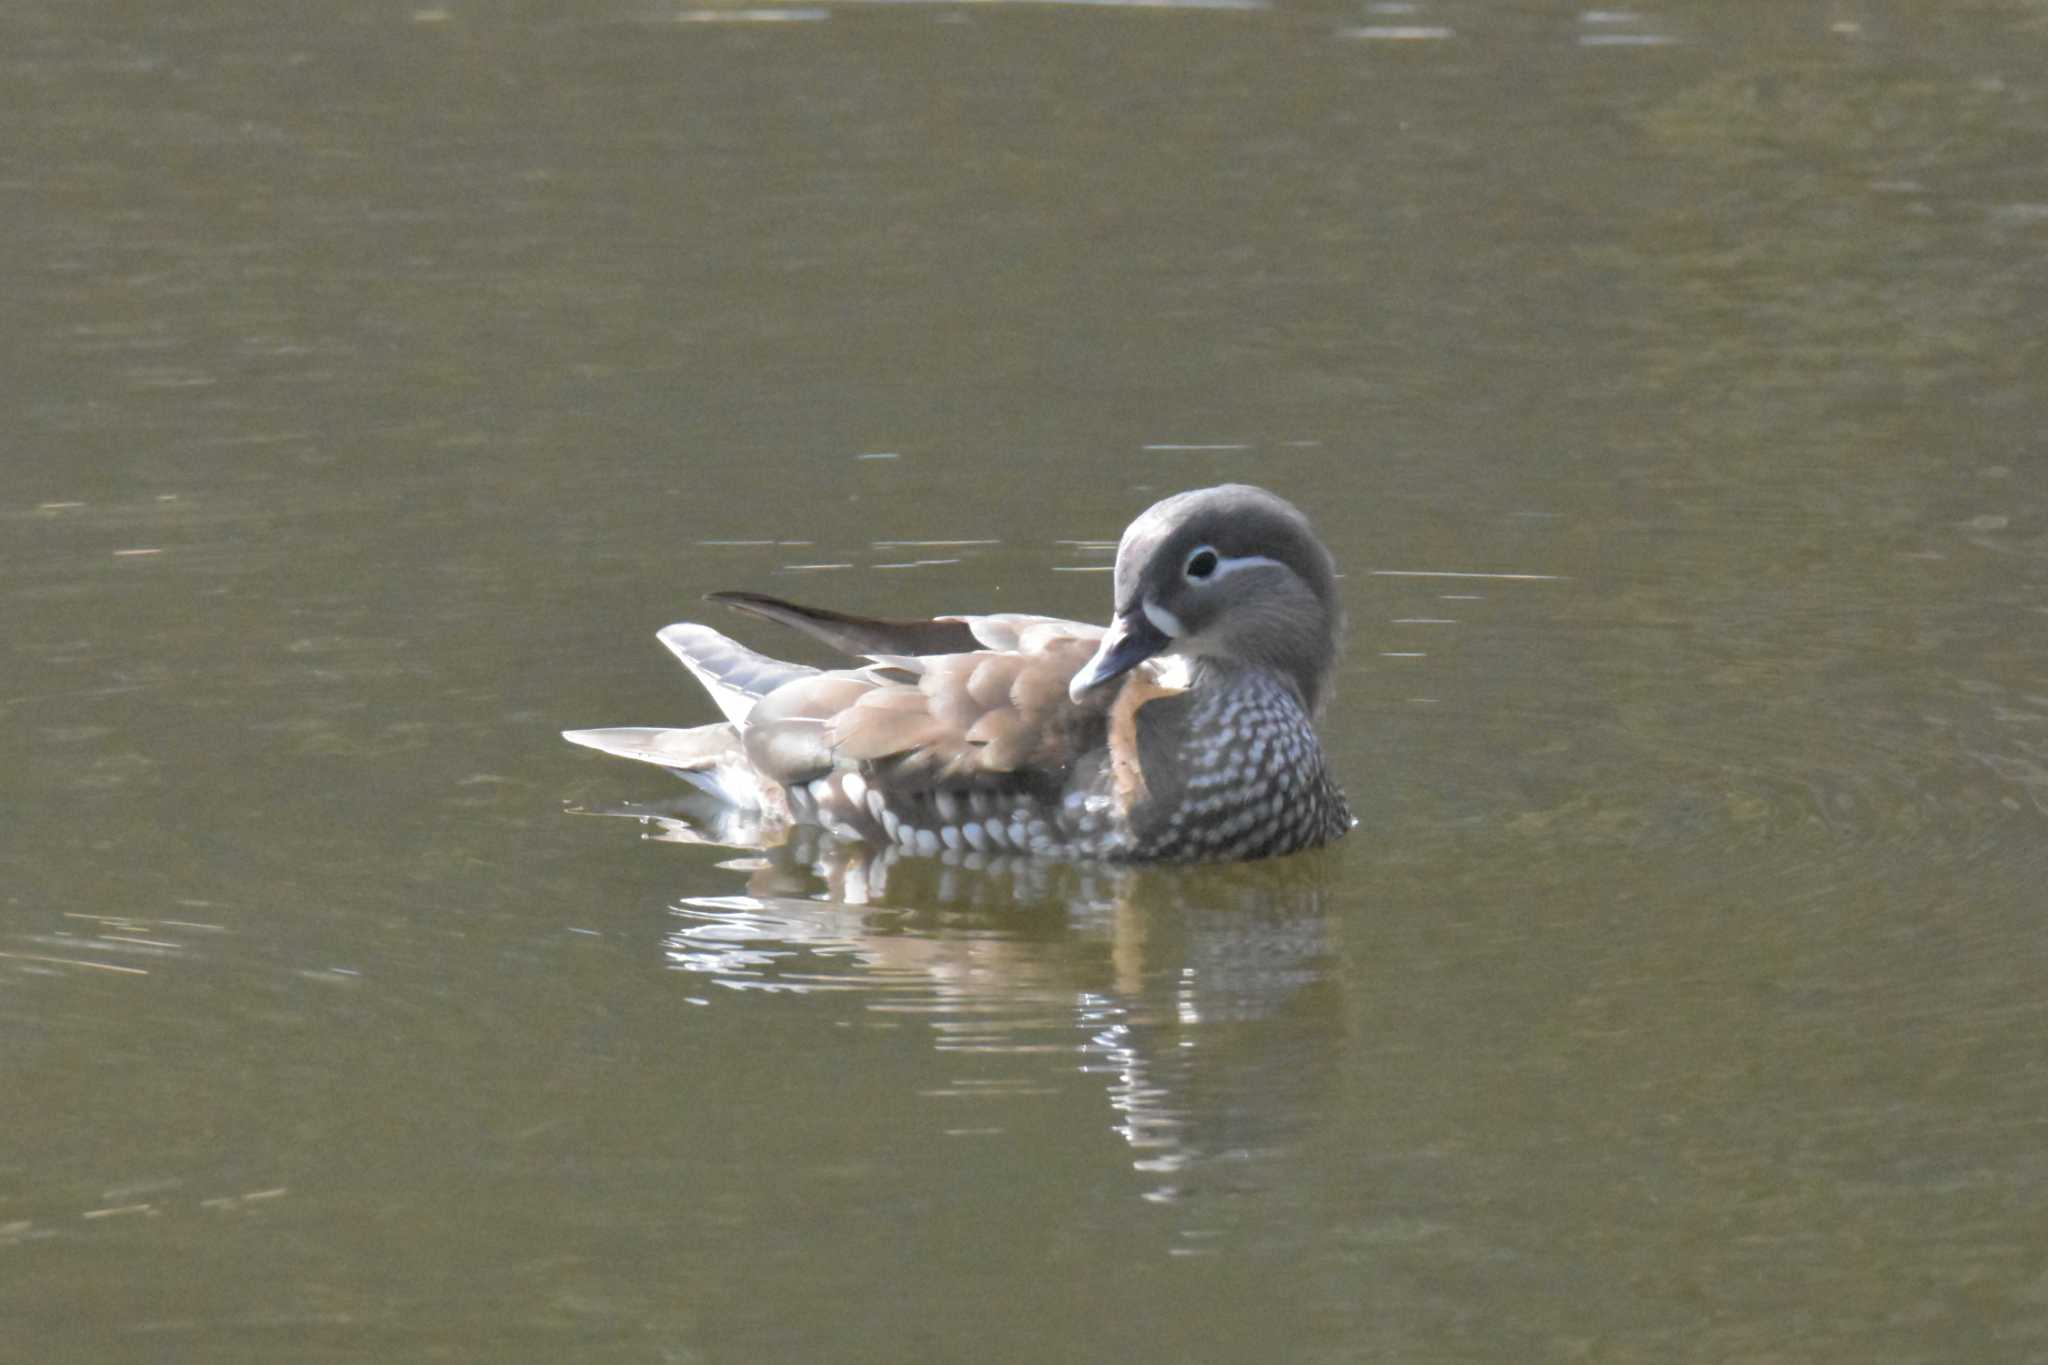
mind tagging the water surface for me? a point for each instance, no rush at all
(1666, 383)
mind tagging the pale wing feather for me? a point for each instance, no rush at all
(1015, 632)
(735, 676)
(938, 718)
(697, 747)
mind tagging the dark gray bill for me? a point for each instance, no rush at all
(1131, 640)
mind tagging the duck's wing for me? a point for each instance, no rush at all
(958, 695)
(934, 720)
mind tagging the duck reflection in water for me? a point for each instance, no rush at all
(1206, 1002)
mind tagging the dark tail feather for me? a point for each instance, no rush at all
(856, 635)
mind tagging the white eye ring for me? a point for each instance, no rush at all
(1201, 564)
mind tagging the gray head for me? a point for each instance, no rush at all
(1232, 577)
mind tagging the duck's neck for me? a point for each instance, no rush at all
(1213, 680)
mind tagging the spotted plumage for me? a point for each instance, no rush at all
(1183, 731)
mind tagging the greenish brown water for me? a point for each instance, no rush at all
(1668, 386)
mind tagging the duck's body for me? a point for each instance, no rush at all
(1182, 731)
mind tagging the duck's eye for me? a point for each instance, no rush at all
(1201, 563)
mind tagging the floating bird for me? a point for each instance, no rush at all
(1183, 731)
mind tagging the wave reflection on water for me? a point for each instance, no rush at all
(1202, 1005)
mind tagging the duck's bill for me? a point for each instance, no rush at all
(1131, 640)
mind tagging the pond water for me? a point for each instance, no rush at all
(1668, 384)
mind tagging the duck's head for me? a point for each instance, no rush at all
(1231, 577)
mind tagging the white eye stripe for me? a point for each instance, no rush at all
(1226, 567)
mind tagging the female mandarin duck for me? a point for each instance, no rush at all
(1183, 731)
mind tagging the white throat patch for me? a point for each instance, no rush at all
(1163, 621)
